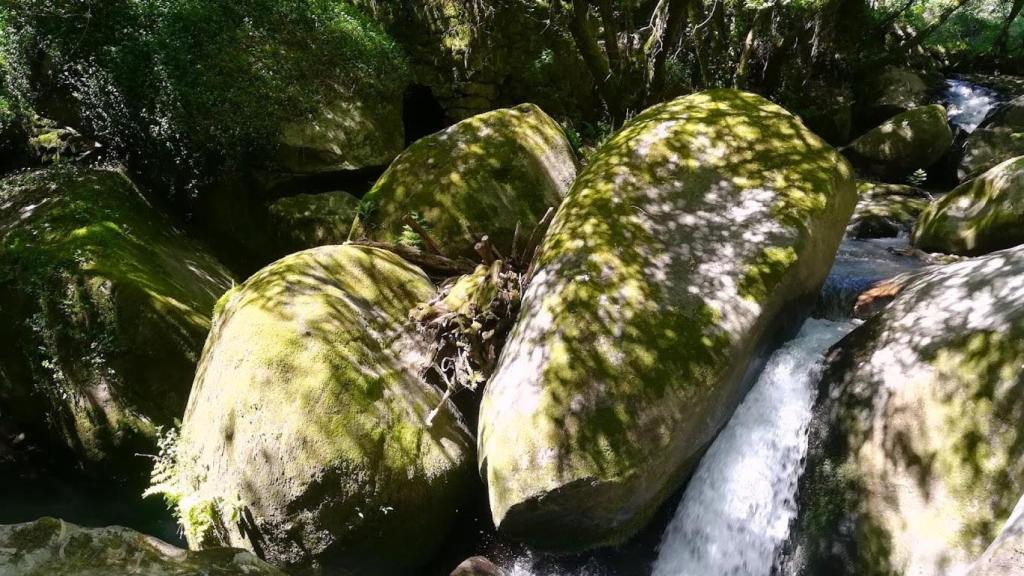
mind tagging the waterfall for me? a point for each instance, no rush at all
(967, 104)
(736, 511)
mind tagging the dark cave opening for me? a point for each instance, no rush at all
(422, 114)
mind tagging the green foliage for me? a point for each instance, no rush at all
(193, 86)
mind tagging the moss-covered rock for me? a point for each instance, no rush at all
(999, 138)
(476, 57)
(479, 177)
(53, 547)
(665, 270)
(892, 91)
(978, 217)
(305, 437)
(886, 210)
(350, 132)
(311, 220)
(1005, 556)
(104, 308)
(916, 448)
(907, 142)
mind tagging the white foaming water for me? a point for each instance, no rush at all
(967, 104)
(736, 511)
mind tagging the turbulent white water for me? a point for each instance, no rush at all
(967, 104)
(736, 511)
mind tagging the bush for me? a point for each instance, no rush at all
(187, 89)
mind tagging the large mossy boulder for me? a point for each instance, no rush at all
(697, 227)
(53, 547)
(479, 177)
(306, 438)
(916, 451)
(310, 220)
(910, 141)
(978, 217)
(886, 210)
(104, 308)
(997, 139)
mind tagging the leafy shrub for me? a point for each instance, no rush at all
(189, 88)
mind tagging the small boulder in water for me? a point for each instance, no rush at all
(910, 141)
(886, 210)
(916, 449)
(978, 217)
(54, 547)
(693, 233)
(999, 138)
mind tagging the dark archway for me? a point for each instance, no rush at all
(422, 114)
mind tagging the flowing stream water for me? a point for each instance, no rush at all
(736, 511)
(967, 104)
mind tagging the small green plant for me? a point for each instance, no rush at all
(410, 237)
(917, 178)
(366, 209)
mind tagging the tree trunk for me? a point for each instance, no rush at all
(1003, 39)
(699, 41)
(594, 58)
(674, 26)
(883, 27)
(609, 25)
(743, 68)
(931, 28)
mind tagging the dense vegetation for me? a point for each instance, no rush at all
(188, 90)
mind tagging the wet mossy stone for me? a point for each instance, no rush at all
(916, 451)
(886, 210)
(310, 220)
(53, 547)
(977, 217)
(104, 308)
(910, 141)
(305, 439)
(478, 177)
(352, 131)
(999, 138)
(679, 247)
